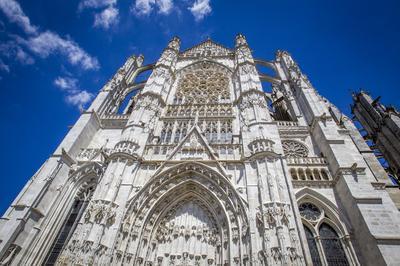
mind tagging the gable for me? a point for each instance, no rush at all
(193, 147)
(207, 49)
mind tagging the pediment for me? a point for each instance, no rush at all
(193, 146)
(207, 48)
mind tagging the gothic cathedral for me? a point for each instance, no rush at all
(207, 162)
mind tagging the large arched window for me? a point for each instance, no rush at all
(312, 245)
(324, 244)
(333, 249)
(69, 226)
(204, 83)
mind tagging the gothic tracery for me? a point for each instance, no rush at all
(205, 84)
(294, 148)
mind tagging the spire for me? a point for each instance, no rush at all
(240, 40)
(174, 44)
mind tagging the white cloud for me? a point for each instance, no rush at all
(106, 18)
(96, 3)
(67, 84)
(4, 67)
(165, 6)
(41, 43)
(145, 7)
(48, 42)
(200, 9)
(23, 57)
(74, 95)
(14, 13)
(79, 99)
(13, 50)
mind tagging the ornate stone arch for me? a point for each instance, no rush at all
(79, 181)
(189, 180)
(329, 216)
(190, 66)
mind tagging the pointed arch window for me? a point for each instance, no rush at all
(324, 244)
(168, 137)
(69, 226)
(312, 245)
(333, 249)
(177, 136)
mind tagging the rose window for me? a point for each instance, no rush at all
(203, 85)
(309, 211)
(294, 149)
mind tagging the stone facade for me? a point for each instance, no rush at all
(382, 125)
(203, 167)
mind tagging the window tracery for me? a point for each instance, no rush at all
(205, 84)
(323, 241)
(309, 211)
(215, 131)
(75, 213)
(293, 148)
(312, 245)
(202, 95)
(333, 249)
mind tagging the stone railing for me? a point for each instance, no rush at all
(306, 161)
(89, 154)
(287, 123)
(114, 120)
(116, 116)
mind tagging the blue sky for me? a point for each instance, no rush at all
(55, 55)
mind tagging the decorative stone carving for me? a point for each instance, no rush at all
(253, 99)
(126, 146)
(10, 254)
(207, 83)
(100, 212)
(260, 144)
(273, 213)
(207, 49)
(293, 148)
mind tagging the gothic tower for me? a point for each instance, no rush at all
(203, 164)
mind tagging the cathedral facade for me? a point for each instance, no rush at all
(201, 165)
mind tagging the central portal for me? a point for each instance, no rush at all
(187, 235)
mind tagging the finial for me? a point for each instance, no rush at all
(174, 43)
(240, 40)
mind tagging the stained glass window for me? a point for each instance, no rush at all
(334, 252)
(313, 247)
(65, 232)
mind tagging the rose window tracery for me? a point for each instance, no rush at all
(309, 211)
(294, 149)
(203, 85)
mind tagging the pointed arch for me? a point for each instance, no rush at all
(193, 65)
(71, 202)
(189, 179)
(309, 195)
(329, 218)
(188, 191)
